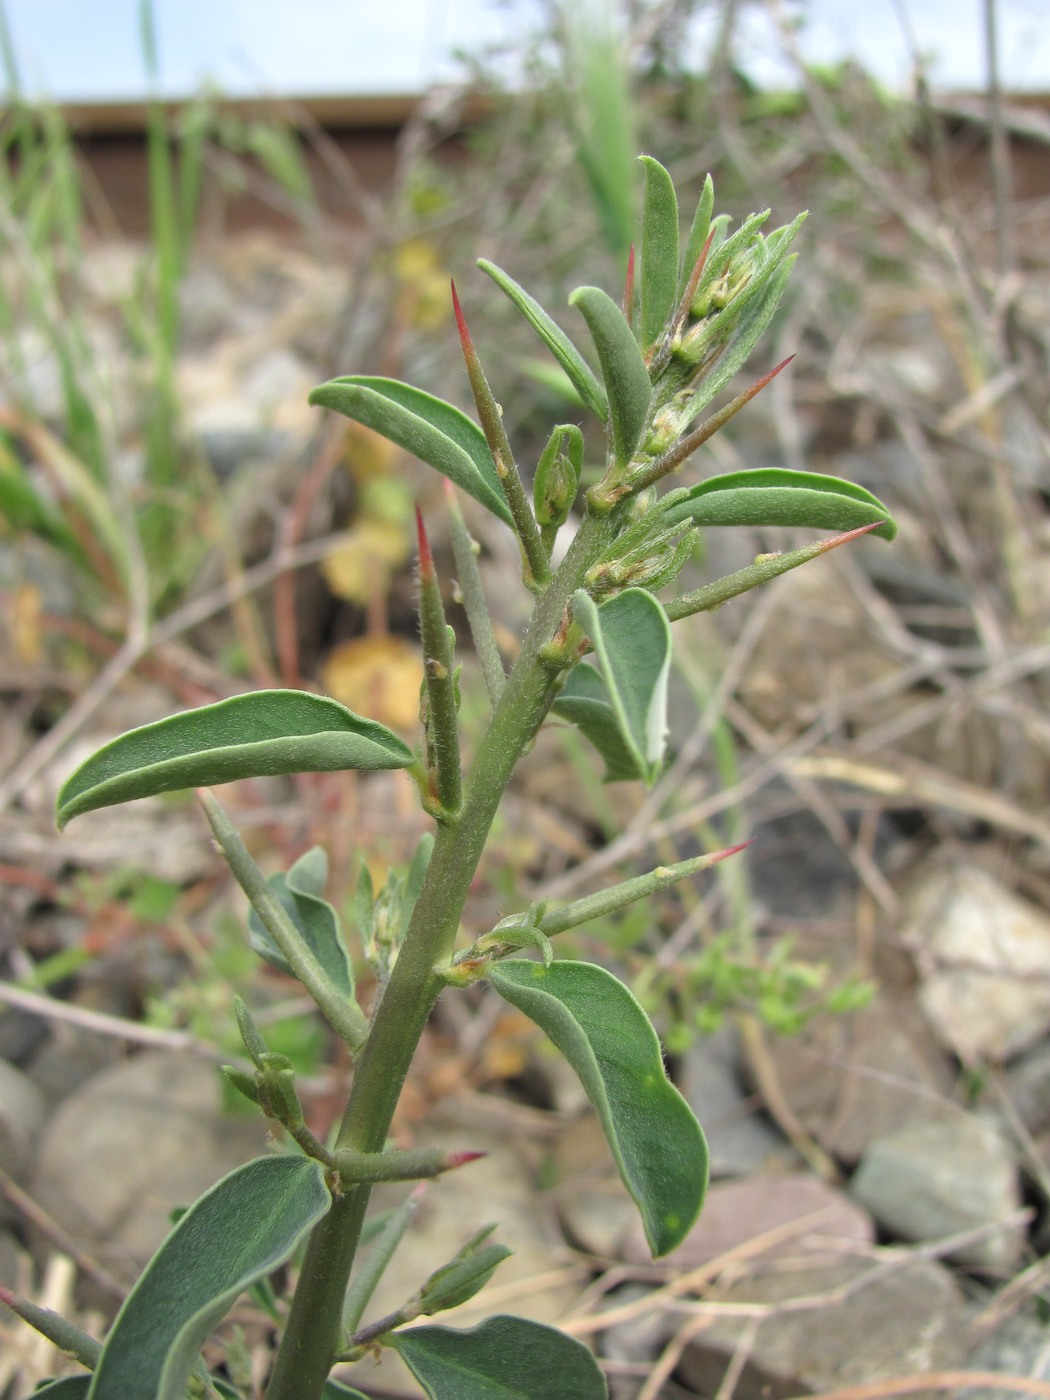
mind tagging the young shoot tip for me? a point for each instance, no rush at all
(469, 352)
(826, 545)
(461, 1159)
(426, 559)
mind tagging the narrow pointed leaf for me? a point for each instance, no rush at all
(69, 1388)
(577, 370)
(605, 1035)
(623, 369)
(659, 250)
(505, 1358)
(584, 701)
(632, 640)
(434, 431)
(701, 227)
(301, 894)
(239, 1231)
(778, 496)
(261, 734)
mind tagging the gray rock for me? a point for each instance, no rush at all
(738, 1212)
(134, 1142)
(740, 1138)
(854, 1079)
(930, 1181)
(21, 1118)
(983, 954)
(9, 1253)
(1020, 1347)
(1027, 1086)
(20, 1034)
(908, 1320)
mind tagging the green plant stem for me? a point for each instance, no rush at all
(537, 565)
(442, 721)
(474, 603)
(311, 1338)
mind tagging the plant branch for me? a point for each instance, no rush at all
(472, 593)
(537, 567)
(345, 1017)
(765, 568)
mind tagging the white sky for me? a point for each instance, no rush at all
(91, 49)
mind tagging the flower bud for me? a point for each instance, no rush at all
(558, 475)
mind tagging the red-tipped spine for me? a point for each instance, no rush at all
(673, 458)
(426, 558)
(461, 1159)
(537, 566)
(824, 546)
(693, 283)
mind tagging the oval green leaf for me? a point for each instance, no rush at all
(266, 733)
(659, 250)
(504, 1358)
(434, 431)
(623, 369)
(584, 702)
(632, 640)
(595, 1022)
(301, 894)
(236, 1233)
(577, 370)
(778, 496)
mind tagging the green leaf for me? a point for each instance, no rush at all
(434, 431)
(623, 369)
(605, 1035)
(778, 496)
(301, 895)
(261, 734)
(584, 701)
(236, 1233)
(632, 640)
(466, 1274)
(504, 1358)
(69, 1388)
(336, 1390)
(578, 371)
(701, 227)
(659, 250)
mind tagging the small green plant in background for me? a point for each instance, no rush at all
(597, 653)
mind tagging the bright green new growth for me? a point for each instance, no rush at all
(597, 654)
